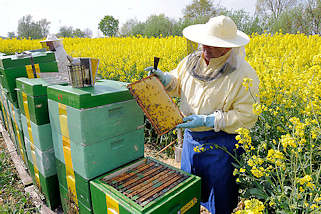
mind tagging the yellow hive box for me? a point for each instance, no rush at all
(158, 106)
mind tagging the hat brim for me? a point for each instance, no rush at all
(198, 33)
(50, 40)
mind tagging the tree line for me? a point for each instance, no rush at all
(271, 16)
(29, 28)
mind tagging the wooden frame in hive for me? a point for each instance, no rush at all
(157, 105)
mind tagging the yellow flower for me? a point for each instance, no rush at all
(257, 172)
(235, 172)
(247, 82)
(288, 140)
(301, 189)
(314, 206)
(317, 199)
(258, 108)
(305, 179)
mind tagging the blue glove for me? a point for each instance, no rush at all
(164, 77)
(194, 121)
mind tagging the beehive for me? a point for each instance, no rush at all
(34, 91)
(74, 196)
(18, 131)
(101, 124)
(14, 66)
(42, 167)
(95, 130)
(3, 110)
(5, 107)
(146, 186)
(32, 96)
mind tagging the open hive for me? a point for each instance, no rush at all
(157, 105)
(145, 182)
(146, 186)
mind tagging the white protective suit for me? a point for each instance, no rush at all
(216, 88)
(62, 61)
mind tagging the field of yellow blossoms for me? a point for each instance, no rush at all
(280, 170)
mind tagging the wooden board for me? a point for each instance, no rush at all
(157, 105)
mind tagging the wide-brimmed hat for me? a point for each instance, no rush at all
(219, 31)
(51, 38)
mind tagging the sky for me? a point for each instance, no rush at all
(87, 14)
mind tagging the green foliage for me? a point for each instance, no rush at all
(109, 26)
(66, 31)
(138, 29)
(244, 21)
(159, 142)
(78, 33)
(127, 28)
(271, 16)
(274, 8)
(13, 198)
(158, 25)
(27, 28)
(304, 18)
(199, 8)
(11, 35)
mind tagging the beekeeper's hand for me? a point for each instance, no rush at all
(194, 121)
(164, 77)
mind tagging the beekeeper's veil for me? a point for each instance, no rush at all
(219, 31)
(52, 43)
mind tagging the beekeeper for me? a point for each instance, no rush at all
(52, 43)
(215, 104)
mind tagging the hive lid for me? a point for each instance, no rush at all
(9, 61)
(36, 87)
(104, 92)
(157, 105)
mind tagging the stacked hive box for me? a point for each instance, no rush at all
(24, 65)
(33, 103)
(17, 127)
(146, 186)
(20, 65)
(4, 116)
(5, 107)
(3, 111)
(95, 130)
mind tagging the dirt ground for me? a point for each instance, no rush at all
(170, 161)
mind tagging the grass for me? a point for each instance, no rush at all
(13, 198)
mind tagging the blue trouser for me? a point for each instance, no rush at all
(214, 166)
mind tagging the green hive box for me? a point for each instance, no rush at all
(12, 97)
(146, 186)
(83, 198)
(13, 66)
(69, 205)
(9, 121)
(101, 127)
(41, 134)
(3, 110)
(35, 92)
(5, 118)
(17, 127)
(1, 114)
(42, 167)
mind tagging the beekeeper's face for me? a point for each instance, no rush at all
(213, 52)
(49, 46)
